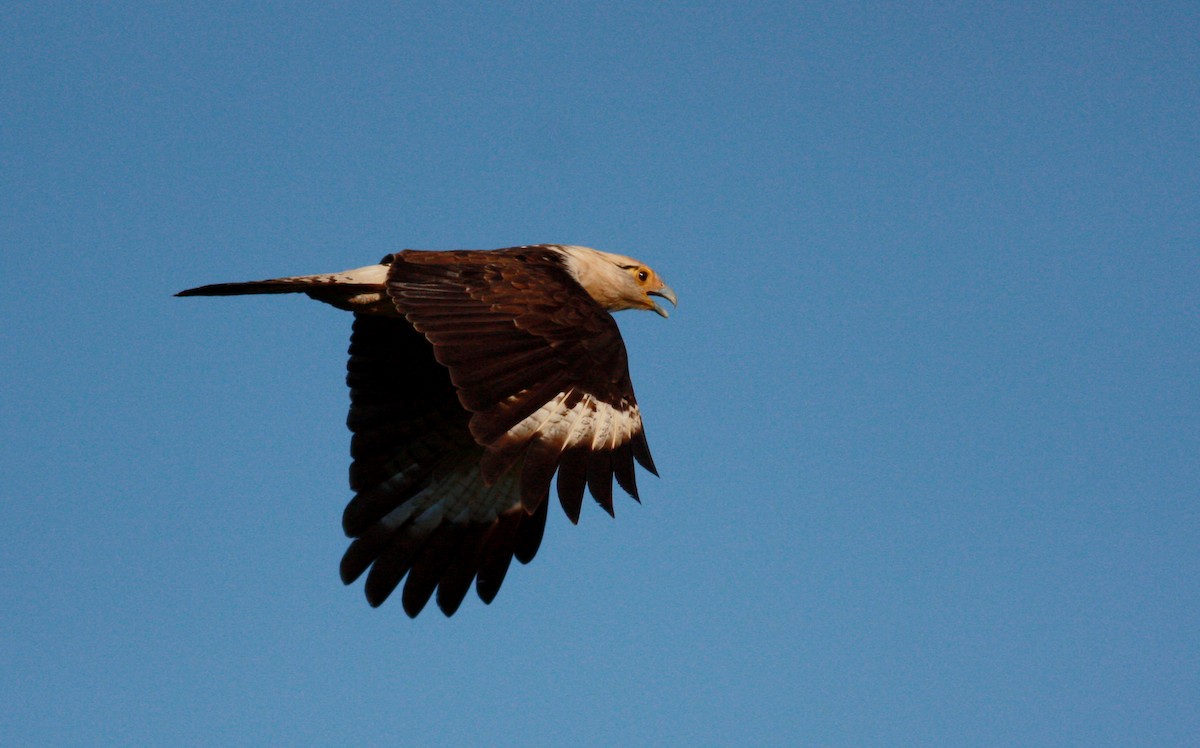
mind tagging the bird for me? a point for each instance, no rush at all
(478, 377)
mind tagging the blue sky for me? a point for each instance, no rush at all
(926, 416)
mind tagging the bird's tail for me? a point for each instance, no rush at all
(274, 285)
(349, 289)
(369, 278)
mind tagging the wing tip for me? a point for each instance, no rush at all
(641, 452)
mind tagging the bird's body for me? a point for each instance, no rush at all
(475, 377)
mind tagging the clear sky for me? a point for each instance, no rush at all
(926, 416)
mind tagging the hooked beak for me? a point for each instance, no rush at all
(666, 293)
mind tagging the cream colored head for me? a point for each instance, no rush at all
(617, 282)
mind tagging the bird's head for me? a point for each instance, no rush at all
(617, 282)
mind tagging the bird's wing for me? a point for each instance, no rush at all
(420, 508)
(538, 363)
(504, 372)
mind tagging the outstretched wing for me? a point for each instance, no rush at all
(505, 372)
(420, 508)
(538, 363)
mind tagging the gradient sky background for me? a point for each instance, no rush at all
(926, 416)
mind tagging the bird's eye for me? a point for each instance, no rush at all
(642, 275)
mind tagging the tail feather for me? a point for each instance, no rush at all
(361, 289)
(275, 285)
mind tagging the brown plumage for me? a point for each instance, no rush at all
(475, 377)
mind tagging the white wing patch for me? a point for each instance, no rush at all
(588, 423)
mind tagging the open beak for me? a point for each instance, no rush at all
(666, 293)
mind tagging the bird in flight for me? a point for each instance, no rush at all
(475, 377)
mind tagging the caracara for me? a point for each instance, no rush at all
(474, 377)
